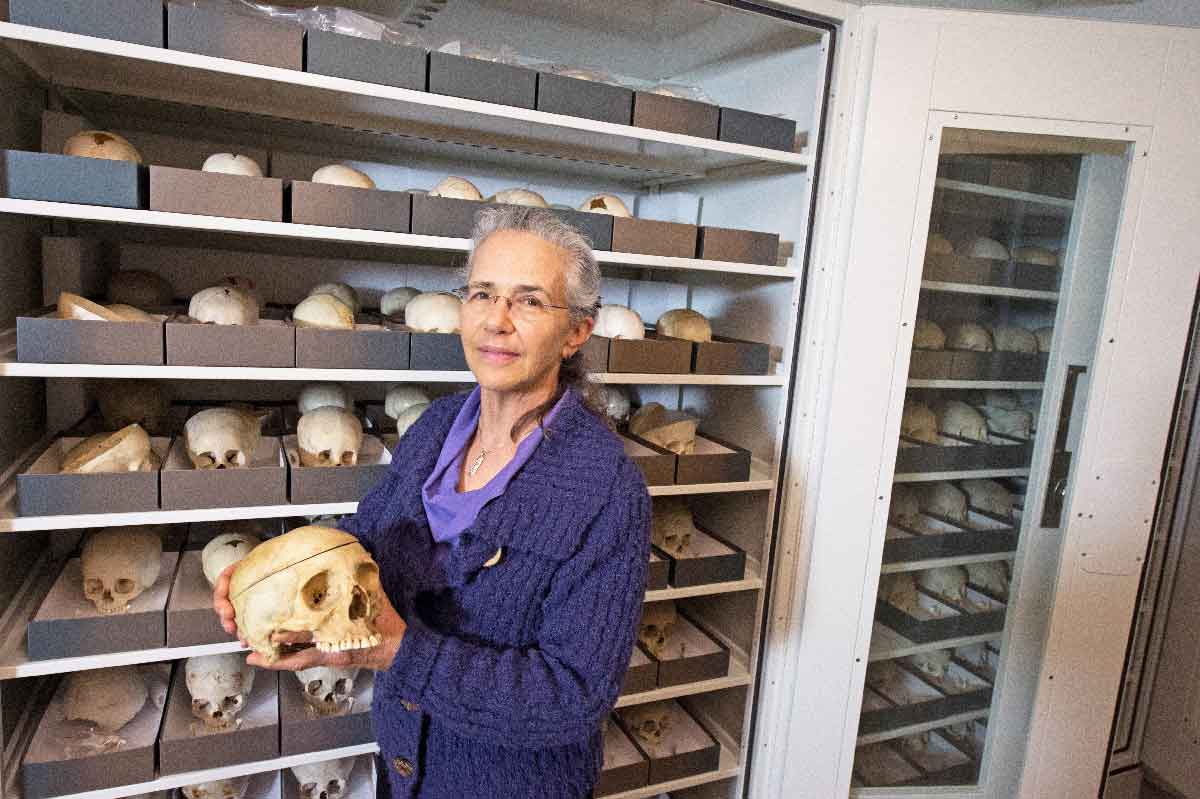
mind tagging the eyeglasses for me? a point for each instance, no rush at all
(526, 307)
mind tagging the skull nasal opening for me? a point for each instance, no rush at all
(359, 604)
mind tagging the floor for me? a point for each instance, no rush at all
(1151, 792)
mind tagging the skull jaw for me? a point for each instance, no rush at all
(329, 704)
(112, 606)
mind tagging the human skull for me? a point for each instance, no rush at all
(1017, 423)
(606, 204)
(342, 175)
(434, 312)
(313, 579)
(323, 312)
(617, 321)
(1039, 256)
(928, 335)
(101, 144)
(395, 301)
(126, 402)
(944, 500)
(327, 779)
(223, 550)
(247, 287)
(616, 403)
(401, 398)
(109, 698)
(220, 686)
(118, 564)
(1044, 336)
(232, 164)
(228, 788)
(989, 496)
(409, 416)
(328, 689)
(140, 289)
(657, 625)
(671, 430)
(651, 722)
(983, 247)
(672, 527)
(222, 438)
(1011, 338)
(949, 582)
(937, 244)
(990, 575)
(957, 418)
(919, 422)
(519, 197)
(329, 436)
(899, 589)
(684, 323)
(933, 664)
(904, 508)
(342, 291)
(1000, 398)
(970, 337)
(126, 450)
(223, 305)
(456, 188)
(73, 306)
(314, 395)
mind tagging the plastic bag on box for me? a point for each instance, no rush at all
(682, 91)
(334, 19)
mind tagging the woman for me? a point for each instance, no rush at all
(512, 535)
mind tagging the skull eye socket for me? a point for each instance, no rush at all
(124, 586)
(348, 458)
(314, 687)
(366, 575)
(93, 586)
(307, 788)
(206, 459)
(334, 787)
(232, 456)
(200, 705)
(231, 702)
(316, 591)
(339, 687)
(325, 454)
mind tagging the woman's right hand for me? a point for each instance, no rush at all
(222, 605)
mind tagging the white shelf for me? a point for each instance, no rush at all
(989, 291)
(913, 729)
(887, 644)
(1012, 385)
(348, 236)
(750, 582)
(738, 675)
(428, 124)
(1007, 194)
(965, 474)
(727, 769)
(936, 563)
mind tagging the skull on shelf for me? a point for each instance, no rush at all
(606, 204)
(949, 582)
(1011, 338)
(919, 422)
(327, 779)
(672, 430)
(617, 321)
(118, 565)
(1044, 336)
(409, 416)
(456, 188)
(402, 397)
(651, 722)
(126, 450)
(928, 335)
(247, 287)
(229, 788)
(899, 589)
(395, 301)
(933, 664)
(989, 496)
(991, 575)
(519, 197)
(126, 402)
(970, 337)
(323, 312)
(342, 291)
(232, 164)
(108, 698)
(329, 436)
(957, 418)
(657, 625)
(220, 686)
(1038, 256)
(983, 247)
(904, 508)
(616, 403)
(223, 305)
(314, 395)
(684, 323)
(328, 689)
(73, 306)
(943, 499)
(1017, 423)
(672, 527)
(101, 144)
(224, 550)
(222, 438)
(937, 244)
(342, 175)
(140, 289)
(313, 579)
(433, 312)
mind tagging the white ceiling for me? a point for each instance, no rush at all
(1153, 12)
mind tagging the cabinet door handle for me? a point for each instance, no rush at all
(1060, 460)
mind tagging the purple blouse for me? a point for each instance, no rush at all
(451, 511)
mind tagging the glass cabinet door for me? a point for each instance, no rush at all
(1020, 243)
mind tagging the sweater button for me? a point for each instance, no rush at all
(411, 707)
(403, 767)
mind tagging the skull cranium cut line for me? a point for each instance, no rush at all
(312, 579)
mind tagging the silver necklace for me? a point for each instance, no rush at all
(475, 464)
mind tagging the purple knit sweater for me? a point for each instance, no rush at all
(506, 672)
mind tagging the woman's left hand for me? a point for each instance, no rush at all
(388, 624)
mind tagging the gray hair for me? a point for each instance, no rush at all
(583, 271)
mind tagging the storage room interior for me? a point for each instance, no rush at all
(898, 324)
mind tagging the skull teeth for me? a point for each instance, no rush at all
(348, 644)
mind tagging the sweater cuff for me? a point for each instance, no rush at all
(411, 669)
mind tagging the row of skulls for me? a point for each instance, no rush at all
(327, 779)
